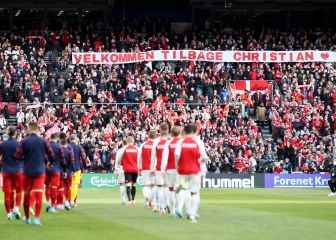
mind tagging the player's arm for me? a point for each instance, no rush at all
(201, 146)
(49, 151)
(178, 150)
(19, 153)
(71, 159)
(119, 156)
(1, 154)
(63, 162)
(153, 154)
(62, 154)
(165, 155)
(116, 162)
(139, 158)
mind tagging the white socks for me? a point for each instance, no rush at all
(191, 203)
(147, 193)
(181, 198)
(161, 198)
(122, 190)
(166, 195)
(172, 201)
(154, 197)
(188, 203)
(194, 205)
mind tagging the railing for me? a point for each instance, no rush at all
(32, 105)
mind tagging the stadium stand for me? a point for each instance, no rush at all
(288, 126)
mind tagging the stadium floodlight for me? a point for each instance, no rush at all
(17, 13)
(227, 4)
(60, 13)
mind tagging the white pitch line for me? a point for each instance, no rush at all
(216, 202)
(141, 202)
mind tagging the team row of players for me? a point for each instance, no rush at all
(33, 165)
(170, 166)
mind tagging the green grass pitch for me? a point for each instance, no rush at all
(225, 215)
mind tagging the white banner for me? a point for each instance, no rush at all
(202, 56)
(34, 106)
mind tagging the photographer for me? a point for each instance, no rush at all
(332, 181)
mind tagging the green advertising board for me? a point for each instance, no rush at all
(101, 180)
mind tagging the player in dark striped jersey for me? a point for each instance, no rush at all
(12, 176)
(53, 174)
(67, 173)
(34, 151)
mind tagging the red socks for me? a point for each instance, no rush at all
(68, 193)
(53, 196)
(38, 203)
(8, 197)
(31, 199)
(48, 194)
(60, 196)
(26, 200)
(18, 198)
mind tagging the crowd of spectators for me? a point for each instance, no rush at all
(102, 103)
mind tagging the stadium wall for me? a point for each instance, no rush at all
(223, 181)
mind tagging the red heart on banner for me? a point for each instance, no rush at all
(325, 55)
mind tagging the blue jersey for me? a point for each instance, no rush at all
(58, 158)
(34, 151)
(79, 155)
(68, 160)
(10, 164)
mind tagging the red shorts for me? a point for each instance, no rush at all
(53, 179)
(67, 182)
(12, 181)
(47, 179)
(34, 182)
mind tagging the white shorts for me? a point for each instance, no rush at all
(147, 178)
(171, 178)
(160, 178)
(121, 177)
(189, 182)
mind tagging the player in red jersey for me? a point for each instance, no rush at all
(145, 166)
(169, 165)
(189, 154)
(128, 160)
(34, 151)
(12, 176)
(160, 177)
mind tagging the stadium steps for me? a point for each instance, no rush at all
(265, 131)
(50, 58)
(11, 121)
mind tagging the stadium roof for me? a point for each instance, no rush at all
(264, 4)
(197, 3)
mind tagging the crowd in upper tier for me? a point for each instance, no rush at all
(102, 103)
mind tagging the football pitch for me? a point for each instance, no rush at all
(225, 214)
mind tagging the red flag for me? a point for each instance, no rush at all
(251, 85)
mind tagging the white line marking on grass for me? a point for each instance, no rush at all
(140, 202)
(238, 202)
